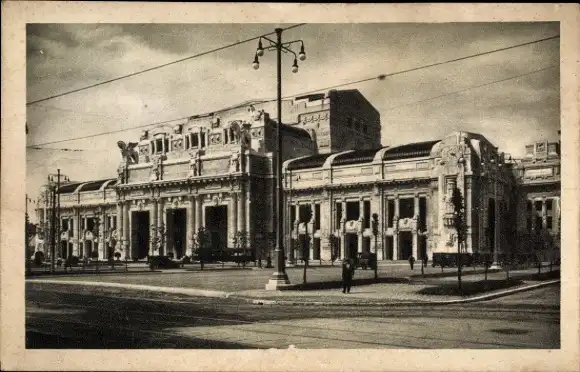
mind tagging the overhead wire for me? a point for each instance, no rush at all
(156, 67)
(379, 77)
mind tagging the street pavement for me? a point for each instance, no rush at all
(57, 318)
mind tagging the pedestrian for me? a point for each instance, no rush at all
(347, 271)
(425, 260)
(411, 261)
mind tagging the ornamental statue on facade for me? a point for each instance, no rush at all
(245, 136)
(254, 115)
(155, 174)
(128, 152)
(194, 164)
(235, 162)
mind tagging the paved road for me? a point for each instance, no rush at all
(56, 319)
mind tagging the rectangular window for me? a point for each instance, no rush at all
(549, 223)
(90, 224)
(166, 142)
(406, 208)
(64, 225)
(391, 214)
(195, 140)
(83, 224)
(202, 140)
(367, 214)
(115, 222)
(158, 146)
(538, 206)
(292, 216)
(529, 206)
(549, 205)
(422, 214)
(338, 214)
(317, 217)
(352, 211)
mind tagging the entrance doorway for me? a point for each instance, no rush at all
(176, 232)
(216, 223)
(351, 248)
(140, 235)
(405, 244)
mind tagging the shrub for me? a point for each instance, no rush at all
(118, 255)
(38, 258)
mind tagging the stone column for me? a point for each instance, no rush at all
(415, 228)
(233, 218)
(544, 214)
(468, 214)
(161, 227)
(190, 226)
(153, 227)
(198, 212)
(127, 230)
(242, 213)
(396, 229)
(75, 231)
(102, 230)
(120, 226)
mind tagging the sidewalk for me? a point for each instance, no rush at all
(392, 290)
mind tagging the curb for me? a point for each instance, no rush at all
(174, 290)
(484, 297)
(233, 295)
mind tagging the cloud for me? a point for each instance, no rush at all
(75, 55)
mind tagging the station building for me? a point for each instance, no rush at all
(217, 170)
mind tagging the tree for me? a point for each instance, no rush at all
(460, 226)
(334, 244)
(202, 245)
(159, 238)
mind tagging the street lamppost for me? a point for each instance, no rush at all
(279, 278)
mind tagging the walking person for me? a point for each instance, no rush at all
(411, 261)
(425, 260)
(347, 271)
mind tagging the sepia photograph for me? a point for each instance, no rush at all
(293, 186)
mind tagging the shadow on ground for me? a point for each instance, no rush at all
(334, 284)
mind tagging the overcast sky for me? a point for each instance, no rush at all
(62, 57)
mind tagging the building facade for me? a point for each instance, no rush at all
(218, 171)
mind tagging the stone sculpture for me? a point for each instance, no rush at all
(128, 152)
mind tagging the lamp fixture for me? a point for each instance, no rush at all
(256, 63)
(260, 50)
(302, 54)
(295, 66)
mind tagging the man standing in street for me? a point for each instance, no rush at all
(412, 261)
(347, 271)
